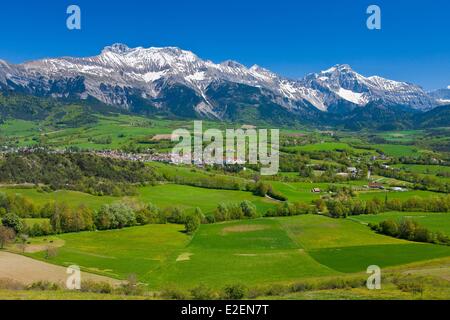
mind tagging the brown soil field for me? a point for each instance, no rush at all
(26, 270)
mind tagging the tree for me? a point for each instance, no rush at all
(261, 189)
(104, 218)
(115, 216)
(23, 242)
(7, 235)
(13, 221)
(423, 235)
(191, 224)
(249, 209)
(407, 229)
(199, 213)
(222, 213)
(389, 227)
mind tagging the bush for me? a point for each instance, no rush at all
(261, 189)
(341, 283)
(96, 287)
(44, 286)
(301, 286)
(276, 290)
(235, 292)
(249, 209)
(414, 286)
(131, 287)
(210, 218)
(175, 215)
(175, 294)
(390, 228)
(202, 292)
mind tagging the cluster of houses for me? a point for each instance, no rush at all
(8, 150)
(142, 157)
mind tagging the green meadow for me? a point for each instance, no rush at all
(422, 168)
(397, 194)
(206, 199)
(72, 198)
(163, 196)
(437, 222)
(328, 146)
(398, 150)
(261, 251)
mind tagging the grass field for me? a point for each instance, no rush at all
(422, 168)
(397, 150)
(329, 146)
(397, 194)
(119, 253)
(275, 250)
(72, 198)
(433, 221)
(163, 196)
(191, 197)
(358, 258)
(32, 221)
(298, 191)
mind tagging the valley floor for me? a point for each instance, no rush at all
(264, 254)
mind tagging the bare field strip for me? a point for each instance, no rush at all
(26, 270)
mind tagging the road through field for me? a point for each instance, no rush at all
(26, 270)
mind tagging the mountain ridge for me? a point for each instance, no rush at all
(175, 81)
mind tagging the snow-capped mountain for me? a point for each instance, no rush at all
(178, 81)
(442, 95)
(342, 83)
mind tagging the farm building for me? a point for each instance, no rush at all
(375, 185)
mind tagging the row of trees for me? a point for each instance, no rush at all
(291, 209)
(350, 207)
(19, 205)
(65, 219)
(232, 211)
(409, 230)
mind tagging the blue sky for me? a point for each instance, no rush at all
(291, 38)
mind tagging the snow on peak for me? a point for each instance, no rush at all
(118, 48)
(354, 97)
(146, 68)
(232, 64)
(338, 67)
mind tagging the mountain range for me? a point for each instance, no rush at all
(175, 82)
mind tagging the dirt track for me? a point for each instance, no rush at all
(26, 270)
